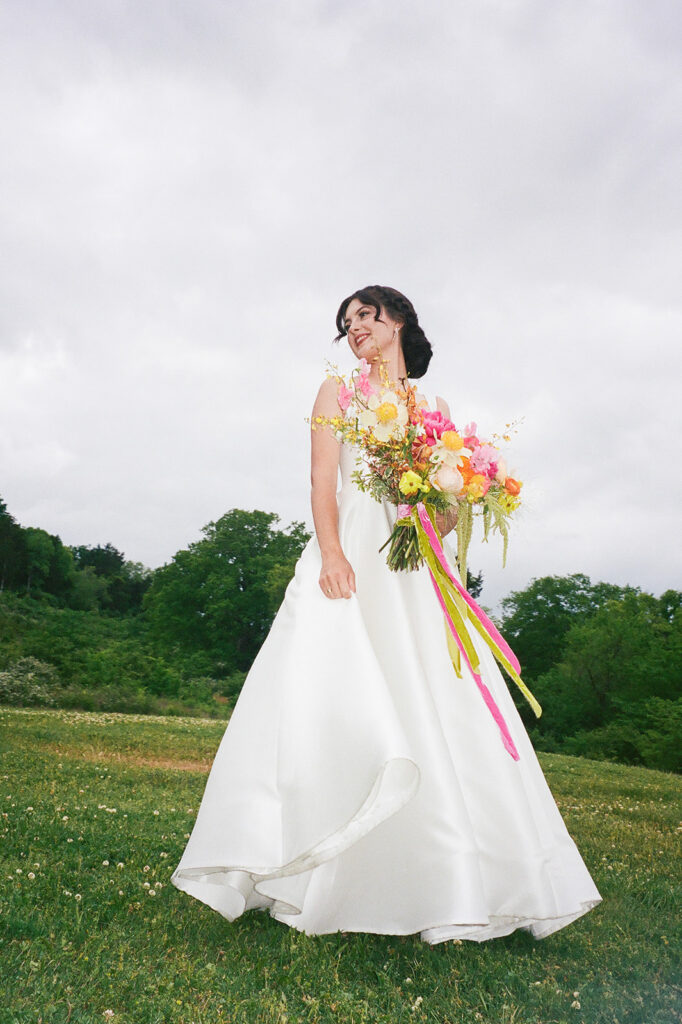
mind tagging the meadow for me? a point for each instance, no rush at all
(96, 810)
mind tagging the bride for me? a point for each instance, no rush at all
(361, 785)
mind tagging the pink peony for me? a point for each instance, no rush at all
(436, 424)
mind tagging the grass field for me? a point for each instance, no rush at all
(96, 809)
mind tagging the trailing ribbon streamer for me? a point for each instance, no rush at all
(458, 607)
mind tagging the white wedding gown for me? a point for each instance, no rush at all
(361, 785)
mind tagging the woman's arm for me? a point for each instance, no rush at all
(337, 578)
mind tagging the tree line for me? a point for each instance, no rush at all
(82, 626)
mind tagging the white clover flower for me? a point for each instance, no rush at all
(78, 897)
(156, 812)
(31, 875)
(151, 893)
(105, 863)
(575, 1005)
(146, 867)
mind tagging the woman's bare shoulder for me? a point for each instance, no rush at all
(326, 403)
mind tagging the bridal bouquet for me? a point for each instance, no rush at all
(415, 456)
(418, 460)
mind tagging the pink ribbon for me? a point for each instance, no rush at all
(492, 630)
(485, 692)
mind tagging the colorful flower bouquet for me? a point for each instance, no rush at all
(414, 455)
(419, 461)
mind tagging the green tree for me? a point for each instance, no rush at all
(625, 654)
(123, 583)
(536, 620)
(217, 598)
(106, 560)
(12, 551)
(39, 553)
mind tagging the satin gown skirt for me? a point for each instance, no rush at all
(361, 786)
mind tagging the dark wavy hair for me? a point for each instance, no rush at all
(416, 347)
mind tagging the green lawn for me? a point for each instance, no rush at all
(96, 810)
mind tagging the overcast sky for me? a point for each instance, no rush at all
(188, 190)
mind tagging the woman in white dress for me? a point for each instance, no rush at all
(361, 785)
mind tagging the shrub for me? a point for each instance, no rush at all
(27, 682)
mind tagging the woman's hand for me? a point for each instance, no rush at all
(337, 578)
(446, 521)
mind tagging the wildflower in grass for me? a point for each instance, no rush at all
(19, 871)
(575, 1005)
(146, 867)
(417, 1003)
(31, 875)
(120, 864)
(105, 863)
(78, 897)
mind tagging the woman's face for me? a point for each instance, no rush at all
(368, 338)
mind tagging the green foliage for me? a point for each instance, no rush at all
(650, 733)
(12, 551)
(35, 562)
(28, 682)
(104, 579)
(617, 690)
(474, 583)
(536, 620)
(217, 599)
